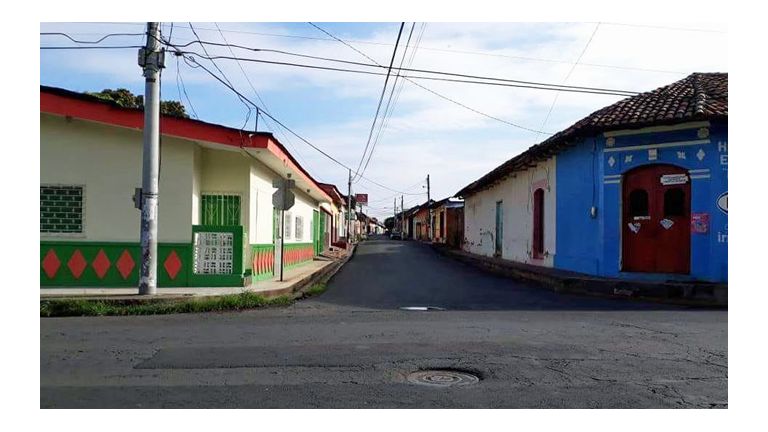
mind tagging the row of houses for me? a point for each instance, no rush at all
(217, 224)
(637, 190)
(435, 221)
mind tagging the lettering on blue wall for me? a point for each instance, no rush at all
(722, 147)
(722, 236)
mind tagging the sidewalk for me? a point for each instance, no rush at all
(673, 292)
(294, 281)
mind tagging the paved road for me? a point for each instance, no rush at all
(352, 347)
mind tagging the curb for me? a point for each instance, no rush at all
(675, 293)
(323, 276)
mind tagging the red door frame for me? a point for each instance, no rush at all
(538, 224)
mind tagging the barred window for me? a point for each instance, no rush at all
(220, 209)
(299, 227)
(61, 209)
(287, 219)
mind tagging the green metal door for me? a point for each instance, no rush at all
(316, 231)
(321, 233)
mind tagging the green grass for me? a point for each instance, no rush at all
(229, 302)
(316, 289)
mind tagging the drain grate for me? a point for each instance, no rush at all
(442, 378)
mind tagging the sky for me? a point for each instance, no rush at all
(434, 130)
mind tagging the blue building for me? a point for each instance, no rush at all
(642, 185)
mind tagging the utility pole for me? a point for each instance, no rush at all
(394, 215)
(349, 207)
(429, 215)
(151, 59)
(402, 218)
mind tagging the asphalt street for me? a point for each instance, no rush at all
(352, 347)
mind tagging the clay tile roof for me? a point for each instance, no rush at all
(699, 96)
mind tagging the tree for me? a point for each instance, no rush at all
(125, 98)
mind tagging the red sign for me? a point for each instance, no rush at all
(361, 198)
(700, 223)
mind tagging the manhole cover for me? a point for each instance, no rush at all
(442, 378)
(421, 308)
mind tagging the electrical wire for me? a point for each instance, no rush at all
(89, 42)
(381, 99)
(264, 103)
(387, 115)
(399, 69)
(570, 71)
(504, 82)
(89, 47)
(432, 91)
(266, 113)
(475, 53)
(248, 115)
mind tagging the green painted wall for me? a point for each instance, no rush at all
(64, 251)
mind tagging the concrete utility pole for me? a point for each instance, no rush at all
(349, 207)
(151, 59)
(394, 215)
(429, 214)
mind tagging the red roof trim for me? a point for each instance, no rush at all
(70, 104)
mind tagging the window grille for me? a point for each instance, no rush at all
(214, 253)
(299, 227)
(287, 222)
(61, 209)
(221, 209)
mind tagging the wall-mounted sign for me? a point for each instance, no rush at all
(361, 198)
(700, 223)
(674, 179)
(722, 202)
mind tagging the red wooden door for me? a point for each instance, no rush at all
(656, 234)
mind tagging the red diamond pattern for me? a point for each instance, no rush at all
(125, 264)
(51, 263)
(101, 264)
(77, 264)
(172, 264)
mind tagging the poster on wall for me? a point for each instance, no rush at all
(700, 223)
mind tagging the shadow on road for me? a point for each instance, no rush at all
(386, 274)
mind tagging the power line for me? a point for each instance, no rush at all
(248, 115)
(504, 82)
(568, 75)
(400, 69)
(94, 42)
(258, 96)
(665, 27)
(475, 53)
(410, 79)
(387, 112)
(89, 47)
(457, 51)
(234, 90)
(432, 91)
(381, 99)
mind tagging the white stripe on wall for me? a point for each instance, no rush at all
(661, 145)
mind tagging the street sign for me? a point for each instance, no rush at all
(283, 198)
